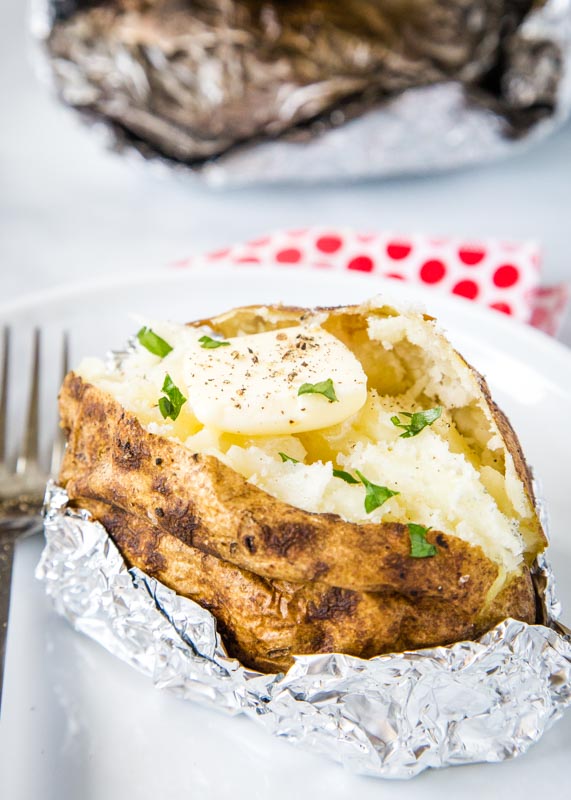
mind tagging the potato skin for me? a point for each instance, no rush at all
(264, 622)
(280, 580)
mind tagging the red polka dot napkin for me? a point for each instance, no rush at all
(500, 275)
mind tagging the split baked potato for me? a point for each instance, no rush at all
(328, 480)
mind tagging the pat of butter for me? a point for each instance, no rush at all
(251, 386)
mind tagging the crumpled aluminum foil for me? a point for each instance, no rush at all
(420, 130)
(391, 716)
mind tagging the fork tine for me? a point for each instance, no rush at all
(59, 438)
(4, 392)
(29, 453)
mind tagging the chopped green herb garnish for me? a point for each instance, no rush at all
(419, 547)
(153, 342)
(375, 495)
(325, 388)
(345, 476)
(211, 344)
(417, 421)
(171, 405)
(284, 457)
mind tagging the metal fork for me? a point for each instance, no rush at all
(22, 483)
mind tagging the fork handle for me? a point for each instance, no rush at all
(7, 544)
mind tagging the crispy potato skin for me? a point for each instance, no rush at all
(264, 622)
(280, 580)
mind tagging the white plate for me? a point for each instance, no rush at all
(76, 722)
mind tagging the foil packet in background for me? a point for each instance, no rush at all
(253, 91)
(391, 716)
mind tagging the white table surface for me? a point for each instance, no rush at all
(69, 210)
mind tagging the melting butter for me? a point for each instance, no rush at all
(250, 387)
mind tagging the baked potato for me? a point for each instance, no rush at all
(328, 480)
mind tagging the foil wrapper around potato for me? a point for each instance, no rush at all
(391, 716)
(243, 91)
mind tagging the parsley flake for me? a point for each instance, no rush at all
(325, 388)
(375, 495)
(211, 344)
(419, 547)
(284, 457)
(171, 405)
(417, 421)
(345, 476)
(152, 342)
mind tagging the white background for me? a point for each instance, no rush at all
(70, 210)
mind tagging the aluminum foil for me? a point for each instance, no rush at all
(391, 716)
(470, 83)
